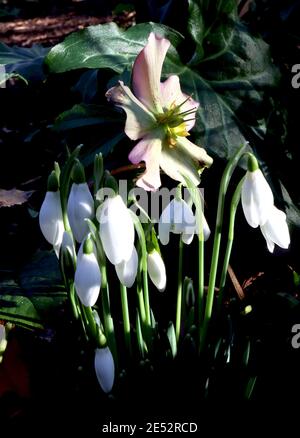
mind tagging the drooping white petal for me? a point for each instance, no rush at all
(157, 270)
(104, 368)
(187, 238)
(148, 150)
(80, 207)
(139, 120)
(51, 220)
(147, 71)
(127, 271)
(87, 279)
(275, 229)
(171, 94)
(116, 230)
(257, 198)
(3, 340)
(270, 243)
(177, 218)
(68, 244)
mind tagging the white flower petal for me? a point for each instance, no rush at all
(187, 238)
(87, 279)
(51, 220)
(80, 207)
(157, 270)
(206, 229)
(147, 71)
(270, 243)
(139, 120)
(257, 198)
(127, 271)
(275, 229)
(104, 368)
(116, 230)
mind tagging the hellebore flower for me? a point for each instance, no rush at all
(80, 205)
(177, 218)
(157, 270)
(160, 116)
(116, 229)
(127, 270)
(50, 217)
(275, 230)
(87, 275)
(104, 368)
(257, 196)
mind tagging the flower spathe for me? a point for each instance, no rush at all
(80, 207)
(127, 270)
(157, 270)
(257, 198)
(177, 218)
(51, 219)
(87, 279)
(104, 368)
(275, 230)
(116, 229)
(160, 116)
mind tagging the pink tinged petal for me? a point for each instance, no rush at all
(147, 72)
(139, 119)
(275, 229)
(148, 150)
(257, 198)
(80, 207)
(104, 368)
(157, 270)
(51, 220)
(116, 230)
(126, 271)
(171, 94)
(88, 279)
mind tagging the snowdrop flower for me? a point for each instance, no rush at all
(177, 218)
(104, 368)
(275, 230)
(88, 275)
(116, 229)
(157, 270)
(80, 204)
(257, 196)
(127, 270)
(50, 217)
(160, 116)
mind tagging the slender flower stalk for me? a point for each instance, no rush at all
(231, 165)
(126, 319)
(179, 292)
(233, 208)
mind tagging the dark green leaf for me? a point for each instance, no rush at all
(38, 294)
(104, 46)
(28, 62)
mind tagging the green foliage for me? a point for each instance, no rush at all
(27, 62)
(34, 297)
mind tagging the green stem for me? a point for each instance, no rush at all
(231, 165)
(142, 240)
(233, 208)
(126, 320)
(107, 318)
(179, 290)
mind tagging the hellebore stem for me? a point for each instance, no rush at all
(231, 165)
(179, 291)
(126, 320)
(233, 208)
